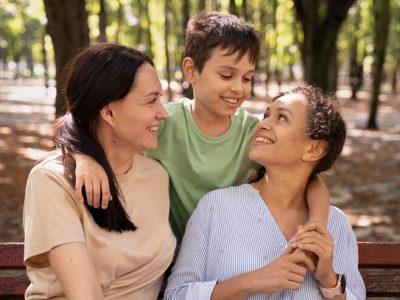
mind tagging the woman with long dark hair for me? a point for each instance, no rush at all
(120, 252)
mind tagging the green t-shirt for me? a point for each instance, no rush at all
(198, 164)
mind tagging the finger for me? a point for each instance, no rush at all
(315, 238)
(290, 248)
(304, 259)
(106, 195)
(316, 249)
(296, 277)
(89, 191)
(78, 189)
(96, 192)
(292, 285)
(314, 226)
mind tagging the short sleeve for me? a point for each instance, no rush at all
(51, 216)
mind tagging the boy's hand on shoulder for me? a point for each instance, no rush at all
(92, 180)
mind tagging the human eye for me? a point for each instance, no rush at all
(226, 76)
(248, 79)
(282, 117)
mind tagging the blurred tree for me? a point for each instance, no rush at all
(68, 29)
(356, 60)
(321, 20)
(233, 8)
(102, 21)
(167, 10)
(381, 26)
(187, 90)
(394, 45)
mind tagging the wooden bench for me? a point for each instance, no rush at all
(379, 265)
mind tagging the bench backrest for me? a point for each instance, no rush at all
(379, 264)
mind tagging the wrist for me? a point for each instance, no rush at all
(329, 281)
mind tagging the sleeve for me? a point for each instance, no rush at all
(355, 288)
(187, 280)
(50, 215)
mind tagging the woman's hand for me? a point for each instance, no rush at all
(90, 175)
(286, 272)
(316, 239)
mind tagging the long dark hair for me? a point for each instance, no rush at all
(324, 122)
(96, 77)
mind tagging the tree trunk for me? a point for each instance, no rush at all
(187, 90)
(149, 35)
(68, 29)
(201, 5)
(44, 60)
(244, 10)
(233, 8)
(355, 67)
(102, 22)
(381, 30)
(394, 76)
(167, 58)
(119, 21)
(320, 20)
(139, 25)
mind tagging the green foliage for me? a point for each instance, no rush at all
(140, 24)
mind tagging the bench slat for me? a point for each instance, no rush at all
(13, 285)
(373, 255)
(12, 256)
(382, 285)
(378, 255)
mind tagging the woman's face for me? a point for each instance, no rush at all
(136, 117)
(281, 137)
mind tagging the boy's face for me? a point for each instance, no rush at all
(223, 84)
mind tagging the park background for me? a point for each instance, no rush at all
(349, 48)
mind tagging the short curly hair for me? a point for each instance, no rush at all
(324, 122)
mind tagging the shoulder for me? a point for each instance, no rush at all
(147, 164)
(177, 108)
(339, 225)
(49, 169)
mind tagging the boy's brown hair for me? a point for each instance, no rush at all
(206, 31)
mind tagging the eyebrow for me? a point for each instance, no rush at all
(280, 109)
(234, 69)
(153, 94)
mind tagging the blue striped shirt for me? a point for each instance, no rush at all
(233, 232)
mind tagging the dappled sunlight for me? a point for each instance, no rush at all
(32, 153)
(367, 220)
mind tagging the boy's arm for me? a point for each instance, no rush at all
(91, 175)
(317, 196)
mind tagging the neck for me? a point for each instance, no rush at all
(210, 124)
(285, 199)
(119, 157)
(283, 190)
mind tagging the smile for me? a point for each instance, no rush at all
(231, 100)
(152, 128)
(264, 140)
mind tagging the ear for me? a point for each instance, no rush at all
(315, 151)
(189, 70)
(107, 114)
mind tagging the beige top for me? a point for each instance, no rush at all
(130, 265)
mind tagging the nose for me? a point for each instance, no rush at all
(161, 113)
(237, 86)
(265, 124)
